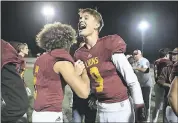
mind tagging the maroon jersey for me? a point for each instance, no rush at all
(159, 65)
(48, 84)
(9, 55)
(108, 86)
(174, 71)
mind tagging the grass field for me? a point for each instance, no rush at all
(66, 108)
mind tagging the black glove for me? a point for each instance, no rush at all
(140, 113)
(92, 103)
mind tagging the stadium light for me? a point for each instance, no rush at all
(48, 12)
(143, 26)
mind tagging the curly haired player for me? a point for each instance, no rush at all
(53, 70)
(109, 70)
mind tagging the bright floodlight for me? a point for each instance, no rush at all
(48, 11)
(144, 25)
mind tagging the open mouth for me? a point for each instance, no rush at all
(82, 26)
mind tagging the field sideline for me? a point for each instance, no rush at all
(66, 109)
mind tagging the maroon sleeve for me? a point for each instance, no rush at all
(159, 65)
(115, 43)
(163, 76)
(62, 55)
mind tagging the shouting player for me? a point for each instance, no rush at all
(109, 70)
(51, 68)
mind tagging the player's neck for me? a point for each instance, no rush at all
(91, 40)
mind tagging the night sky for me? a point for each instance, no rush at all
(21, 21)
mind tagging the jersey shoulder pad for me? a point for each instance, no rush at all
(114, 43)
(61, 54)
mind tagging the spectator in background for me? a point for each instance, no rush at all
(159, 64)
(12, 86)
(38, 55)
(22, 50)
(165, 80)
(142, 70)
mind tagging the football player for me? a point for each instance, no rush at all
(159, 64)
(165, 80)
(109, 71)
(12, 86)
(172, 110)
(51, 68)
(82, 109)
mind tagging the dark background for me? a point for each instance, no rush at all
(21, 21)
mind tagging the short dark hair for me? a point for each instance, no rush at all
(163, 52)
(56, 36)
(96, 15)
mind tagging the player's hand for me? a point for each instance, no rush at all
(92, 103)
(79, 67)
(140, 113)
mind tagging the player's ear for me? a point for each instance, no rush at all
(97, 25)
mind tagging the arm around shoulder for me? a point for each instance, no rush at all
(76, 82)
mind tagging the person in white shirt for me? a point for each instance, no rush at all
(142, 70)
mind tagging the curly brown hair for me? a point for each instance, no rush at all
(56, 36)
(95, 14)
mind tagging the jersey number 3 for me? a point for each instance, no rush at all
(94, 72)
(34, 81)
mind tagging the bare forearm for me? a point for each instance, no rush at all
(86, 79)
(166, 85)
